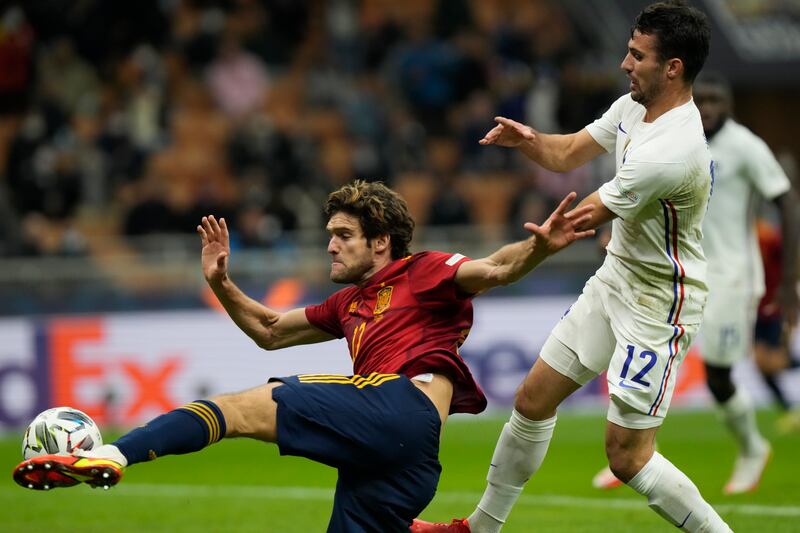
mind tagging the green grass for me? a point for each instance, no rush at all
(246, 486)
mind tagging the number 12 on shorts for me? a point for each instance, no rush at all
(639, 377)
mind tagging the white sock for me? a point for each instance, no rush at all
(673, 496)
(740, 417)
(518, 454)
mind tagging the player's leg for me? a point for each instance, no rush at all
(633, 459)
(772, 356)
(628, 450)
(187, 429)
(641, 379)
(737, 409)
(558, 372)
(770, 363)
(252, 413)
(522, 445)
(727, 333)
(523, 441)
(382, 499)
(194, 426)
(379, 431)
(639, 402)
(738, 413)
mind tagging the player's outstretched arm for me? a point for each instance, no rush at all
(269, 329)
(513, 261)
(558, 153)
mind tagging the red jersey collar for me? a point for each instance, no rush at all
(385, 272)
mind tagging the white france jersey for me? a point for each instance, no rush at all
(744, 172)
(660, 194)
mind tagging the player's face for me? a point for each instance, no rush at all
(352, 259)
(646, 72)
(713, 103)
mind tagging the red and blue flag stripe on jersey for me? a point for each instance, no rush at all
(671, 240)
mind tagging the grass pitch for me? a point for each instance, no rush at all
(246, 486)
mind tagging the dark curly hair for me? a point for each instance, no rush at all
(681, 31)
(379, 209)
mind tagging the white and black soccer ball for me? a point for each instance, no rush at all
(60, 431)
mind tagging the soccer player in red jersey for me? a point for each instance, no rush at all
(773, 332)
(404, 317)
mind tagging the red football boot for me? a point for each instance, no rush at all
(53, 471)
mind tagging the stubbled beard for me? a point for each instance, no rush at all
(353, 274)
(640, 97)
(341, 277)
(646, 98)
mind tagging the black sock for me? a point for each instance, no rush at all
(772, 383)
(186, 429)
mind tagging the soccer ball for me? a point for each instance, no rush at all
(59, 431)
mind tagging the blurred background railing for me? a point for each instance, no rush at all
(163, 272)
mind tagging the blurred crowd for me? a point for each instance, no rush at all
(120, 120)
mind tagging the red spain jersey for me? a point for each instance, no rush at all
(769, 241)
(409, 318)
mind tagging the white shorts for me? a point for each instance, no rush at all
(726, 335)
(642, 356)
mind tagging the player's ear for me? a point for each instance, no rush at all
(381, 243)
(674, 68)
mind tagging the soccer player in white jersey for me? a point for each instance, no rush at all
(638, 314)
(745, 172)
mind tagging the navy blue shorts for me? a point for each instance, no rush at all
(769, 331)
(379, 431)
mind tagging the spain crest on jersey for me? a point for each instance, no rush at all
(383, 300)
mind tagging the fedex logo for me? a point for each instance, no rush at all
(72, 361)
(84, 365)
(127, 368)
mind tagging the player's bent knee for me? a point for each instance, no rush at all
(251, 413)
(624, 466)
(532, 406)
(628, 450)
(523, 405)
(770, 361)
(720, 383)
(625, 462)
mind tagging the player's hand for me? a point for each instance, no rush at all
(509, 133)
(562, 228)
(216, 249)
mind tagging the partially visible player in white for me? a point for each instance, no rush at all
(745, 173)
(638, 314)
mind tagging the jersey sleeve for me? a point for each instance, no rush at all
(764, 170)
(639, 183)
(327, 315)
(604, 129)
(432, 277)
